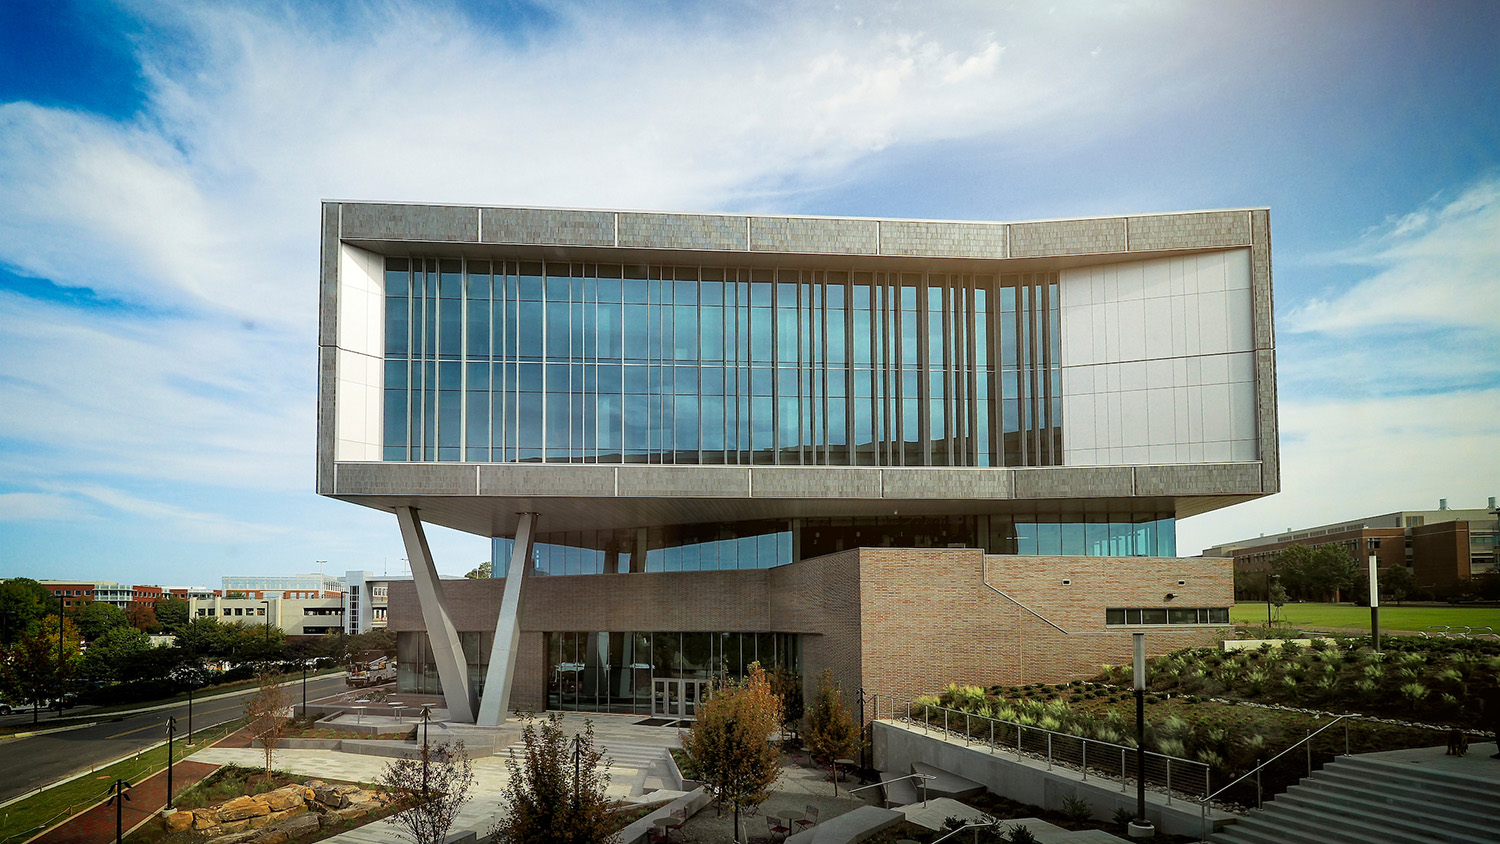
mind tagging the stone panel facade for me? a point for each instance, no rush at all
(1067, 237)
(547, 227)
(684, 231)
(438, 223)
(817, 236)
(1189, 231)
(943, 240)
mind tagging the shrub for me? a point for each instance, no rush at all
(1076, 809)
(1123, 816)
(1414, 693)
(1019, 834)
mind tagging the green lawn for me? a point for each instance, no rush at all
(1391, 617)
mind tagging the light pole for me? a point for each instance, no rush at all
(60, 678)
(304, 689)
(268, 622)
(119, 801)
(171, 733)
(1269, 577)
(1140, 827)
(190, 713)
(426, 711)
(1374, 602)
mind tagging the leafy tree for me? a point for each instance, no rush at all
(435, 786)
(142, 617)
(483, 571)
(555, 793)
(172, 614)
(1315, 573)
(111, 652)
(268, 712)
(208, 638)
(830, 730)
(1396, 583)
(33, 668)
(788, 687)
(23, 603)
(94, 619)
(730, 743)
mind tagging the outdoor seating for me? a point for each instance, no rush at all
(777, 826)
(809, 818)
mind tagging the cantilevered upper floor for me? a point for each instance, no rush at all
(621, 370)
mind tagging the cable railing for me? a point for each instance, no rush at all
(1102, 760)
(1256, 771)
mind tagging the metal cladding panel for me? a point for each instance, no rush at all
(814, 236)
(432, 223)
(1207, 229)
(1067, 237)
(531, 480)
(684, 231)
(943, 240)
(328, 276)
(328, 377)
(918, 484)
(547, 227)
(1198, 479)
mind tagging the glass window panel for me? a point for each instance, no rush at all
(1177, 616)
(1114, 616)
(1153, 615)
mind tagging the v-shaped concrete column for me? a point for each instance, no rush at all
(500, 678)
(447, 651)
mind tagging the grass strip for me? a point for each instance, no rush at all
(25, 818)
(1345, 616)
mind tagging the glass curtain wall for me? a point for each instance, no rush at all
(774, 542)
(523, 361)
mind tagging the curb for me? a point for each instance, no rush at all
(129, 712)
(45, 732)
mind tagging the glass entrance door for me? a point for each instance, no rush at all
(673, 697)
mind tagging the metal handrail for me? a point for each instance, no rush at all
(991, 823)
(1083, 741)
(1307, 739)
(923, 777)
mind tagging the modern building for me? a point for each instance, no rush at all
(293, 616)
(1443, 548)
(906, 452)
(76, 593)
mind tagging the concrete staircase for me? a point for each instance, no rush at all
(1382, 797)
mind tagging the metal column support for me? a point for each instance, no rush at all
(499, 678)
(447, 651)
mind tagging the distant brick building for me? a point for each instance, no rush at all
(1443, 548)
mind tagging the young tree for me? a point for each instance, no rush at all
(268, 712)
(1396, 583)
(556, 788)
(730, 743)
(434, 786)
(482, 572)
(788, 687)
(830, 731)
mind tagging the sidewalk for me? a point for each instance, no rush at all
(97, 825)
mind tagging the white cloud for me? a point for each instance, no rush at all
(1438, 266)
(1347, 459)
(36, 506)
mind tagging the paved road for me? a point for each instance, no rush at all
(30, 763)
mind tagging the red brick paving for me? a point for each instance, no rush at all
(97, 825)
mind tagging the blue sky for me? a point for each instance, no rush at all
(161, 165)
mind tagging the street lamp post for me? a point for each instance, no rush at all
(1374, 602)
(304, 690)
(190, 713)
(426, 711)
(268, 621)
(1140, 827)
(60, 672)
(171, 733)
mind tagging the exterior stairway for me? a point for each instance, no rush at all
(1400, 796)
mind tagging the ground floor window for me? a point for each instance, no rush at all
(1163, 615)
(416, 671)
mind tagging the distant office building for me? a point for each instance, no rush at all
(1443, 548)
(77, 593)
(366, 599)
(293, 616)
(72, 592)
(284, 586)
